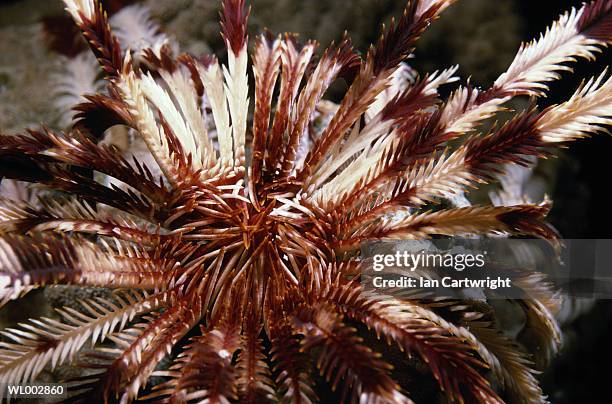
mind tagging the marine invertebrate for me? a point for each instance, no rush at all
(244, 255)
(77, 79)
(135, 29)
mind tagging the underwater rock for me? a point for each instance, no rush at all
(25, 67)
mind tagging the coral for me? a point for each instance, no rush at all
(240, 258)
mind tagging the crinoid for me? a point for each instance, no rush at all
(241, 262)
